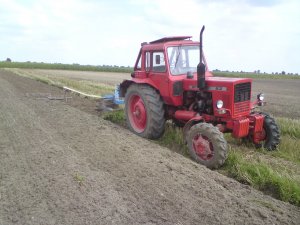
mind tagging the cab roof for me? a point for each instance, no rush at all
(162, 43)
(167, 39)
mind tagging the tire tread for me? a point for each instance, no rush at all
(218, 140)
(155, 128)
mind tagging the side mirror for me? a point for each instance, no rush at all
(157, 59)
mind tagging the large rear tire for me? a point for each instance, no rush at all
(145, 113)
(207, 145)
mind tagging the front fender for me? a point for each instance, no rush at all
(123, 87)
(190, 123)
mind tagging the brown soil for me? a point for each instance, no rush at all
(62, 164)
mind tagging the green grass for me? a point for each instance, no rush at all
(255, 75)
(60, 66)
(289, 127)
(173, 139)
(262, 176)
(289, 149)
(117, 117)
(79, 178)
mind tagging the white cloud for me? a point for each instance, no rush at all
(240, 35)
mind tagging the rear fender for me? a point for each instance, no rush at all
(126, 83)
(123, 87)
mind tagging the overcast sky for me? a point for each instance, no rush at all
(240, 34)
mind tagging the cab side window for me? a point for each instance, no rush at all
(139, 63)
(147, 62)
(158, 60)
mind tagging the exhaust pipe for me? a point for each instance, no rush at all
(201, 66)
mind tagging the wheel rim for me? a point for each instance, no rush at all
(137, 113)
(203, 147)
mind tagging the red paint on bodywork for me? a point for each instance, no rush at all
(256, 128)
(184, 115)
(240, 127)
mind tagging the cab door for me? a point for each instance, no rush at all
(158, 74)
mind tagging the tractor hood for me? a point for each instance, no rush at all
(234, 92)
(215, 83)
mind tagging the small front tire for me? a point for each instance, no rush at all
(270, 134)
(207, 145)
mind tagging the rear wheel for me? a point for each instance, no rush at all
(144, 111)
(207, 145)
(270, 135)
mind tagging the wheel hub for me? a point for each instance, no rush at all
(137, 113)
(203, 147)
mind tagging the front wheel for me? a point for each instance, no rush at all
(144, 111)
(207, 145)
(270, 136)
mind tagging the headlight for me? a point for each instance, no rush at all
(261, 96)
(219, 104)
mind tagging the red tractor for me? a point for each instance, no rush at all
(169, 82)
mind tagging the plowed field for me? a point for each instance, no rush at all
(62, 164)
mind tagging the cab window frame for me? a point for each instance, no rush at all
(161, 65)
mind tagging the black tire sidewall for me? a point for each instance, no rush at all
(271, 141)
(137, 89)
(214, 162)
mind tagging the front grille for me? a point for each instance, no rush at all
(241, 107)
(242, 92)
(242, 95)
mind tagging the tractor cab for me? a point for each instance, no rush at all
(165, 63)
(172, 55)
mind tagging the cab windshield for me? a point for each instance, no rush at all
(183, 59)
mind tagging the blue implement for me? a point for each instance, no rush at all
(115, 97)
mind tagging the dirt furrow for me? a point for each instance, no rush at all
(61, 164)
